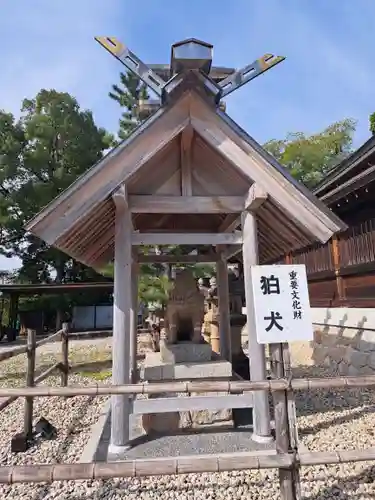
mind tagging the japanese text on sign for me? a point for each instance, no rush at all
(281, 303)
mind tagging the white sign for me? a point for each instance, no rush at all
(281, 302)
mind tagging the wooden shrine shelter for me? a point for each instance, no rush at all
(186, 175)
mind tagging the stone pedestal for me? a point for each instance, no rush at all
(158, 367)
(184, 352)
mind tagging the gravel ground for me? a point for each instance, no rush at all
(329, 420)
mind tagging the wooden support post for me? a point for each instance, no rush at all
(292, 414)
(65, 354)
(30, 374)
(335, 249)
(289, 478)
(257, 359)
(13, 311)
(224, 318)
(122, 311)
(134, 323)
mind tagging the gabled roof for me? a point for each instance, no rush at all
(291, 218)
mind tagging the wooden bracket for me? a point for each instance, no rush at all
(120, 198)
(256, 196)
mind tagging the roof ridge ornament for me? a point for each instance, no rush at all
(132, 62)
(187, 57)
(248, 73)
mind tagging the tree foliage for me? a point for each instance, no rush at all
(309, 158)
(372, 123)
(127, 94)
(41, 154)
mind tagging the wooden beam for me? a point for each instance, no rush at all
(186, 146)
(192, 403)
(230, 223)
(186, 238)
(256, 196)
(180, 259)
(231, 251)
(144, 204)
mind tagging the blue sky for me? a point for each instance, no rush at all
(328, 74)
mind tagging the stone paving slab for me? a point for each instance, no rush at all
(210, 440)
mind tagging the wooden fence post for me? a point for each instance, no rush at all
(289, 481)
(65, 354)
(30, 375)
(335, 252)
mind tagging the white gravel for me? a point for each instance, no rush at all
(330, 420)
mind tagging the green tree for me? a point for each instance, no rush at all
(309, 158)
(41, 155)
(372, 123)
(127, 94)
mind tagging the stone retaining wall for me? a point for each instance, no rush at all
(350, 351)
(345, 340)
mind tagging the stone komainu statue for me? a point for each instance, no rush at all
(185, 310)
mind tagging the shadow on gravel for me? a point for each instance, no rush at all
(345, 489)
(75, 427)
(92, 366)
(342, 419)
(360, 402)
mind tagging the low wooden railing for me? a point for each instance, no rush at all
(31, 381)
(288, 459)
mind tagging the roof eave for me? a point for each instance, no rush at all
(32, 224)
(336, 224)
(343, 168)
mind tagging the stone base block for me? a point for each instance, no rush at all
(153, 370)
(207, 417)
(185, 352)
(170, 422)
(161, 423)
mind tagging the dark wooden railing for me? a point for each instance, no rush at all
(317, 258)
(342, 272)
(32, 381)
(357, 245)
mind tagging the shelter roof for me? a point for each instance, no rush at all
(225, 162)
(354, 172)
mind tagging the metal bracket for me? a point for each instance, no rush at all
(132, 62)
(244, 75)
